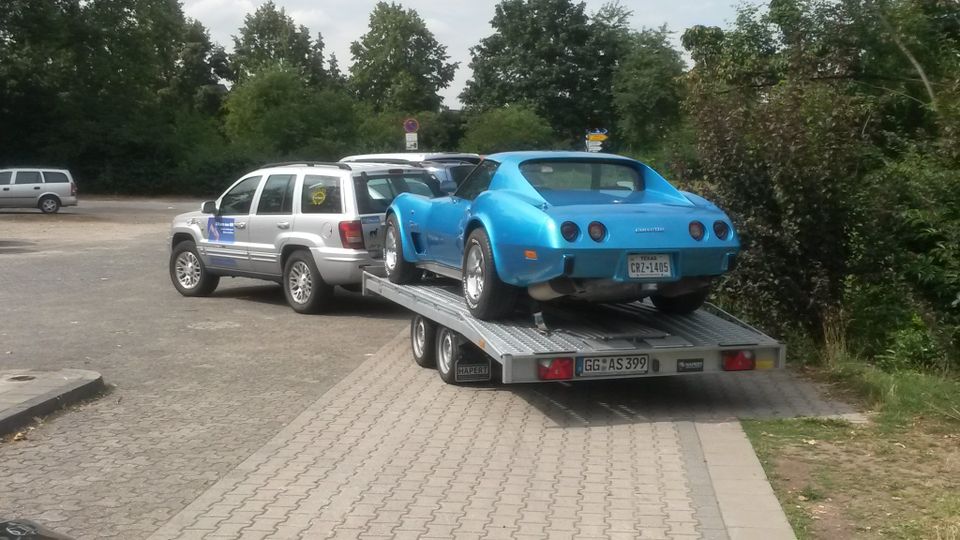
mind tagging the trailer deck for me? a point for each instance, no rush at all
(591, 338)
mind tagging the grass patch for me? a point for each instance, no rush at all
(895, 477)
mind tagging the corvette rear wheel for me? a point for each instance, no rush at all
(683, 304)
(486, 295)
(398, 269)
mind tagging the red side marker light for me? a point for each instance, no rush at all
(738, 360)
(555, 369)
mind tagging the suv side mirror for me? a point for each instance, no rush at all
(209, 207)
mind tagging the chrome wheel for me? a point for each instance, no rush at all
(473, 273)
(48, 205)
(300, 282)
(188, 270)
(419, 338)
(390, 249)
(446, 352)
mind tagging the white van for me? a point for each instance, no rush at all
(46, 189)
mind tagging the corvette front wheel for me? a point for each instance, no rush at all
(486, 295)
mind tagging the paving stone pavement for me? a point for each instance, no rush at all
(392, 452)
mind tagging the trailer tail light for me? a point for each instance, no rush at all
(351, 234)
(555, 369)
(738, 360)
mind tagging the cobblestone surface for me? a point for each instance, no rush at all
(392, 452)
(199, 383)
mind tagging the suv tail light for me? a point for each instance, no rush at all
(73, 189)
(351, 234)
(555, 369)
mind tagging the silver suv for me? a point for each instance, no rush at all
(306, 225)
(43, 188)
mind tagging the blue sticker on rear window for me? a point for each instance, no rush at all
(220, 229)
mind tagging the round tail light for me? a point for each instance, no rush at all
(721, 229)
(597, 231)
(569, 231)
(696, 230)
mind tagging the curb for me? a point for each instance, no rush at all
(87, 384)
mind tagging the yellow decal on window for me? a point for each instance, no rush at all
(318, 196)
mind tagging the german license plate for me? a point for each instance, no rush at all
(595, 366)
(642, 265)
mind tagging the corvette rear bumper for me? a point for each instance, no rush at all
(522, 266)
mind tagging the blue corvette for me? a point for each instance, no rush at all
(593, 227)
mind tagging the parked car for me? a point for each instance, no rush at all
(449, 168)
(309, 226)
(37, 187)
(593, 227)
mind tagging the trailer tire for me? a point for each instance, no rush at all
(448, 354)
(423, 341)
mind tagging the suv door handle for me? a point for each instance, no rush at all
(6, 189)
(240, 224)
(36, 187)
(283, 225)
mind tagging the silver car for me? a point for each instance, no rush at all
(43, 188)
(307, 225)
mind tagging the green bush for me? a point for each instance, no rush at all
(507, 128)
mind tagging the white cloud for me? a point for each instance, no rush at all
(458, 24)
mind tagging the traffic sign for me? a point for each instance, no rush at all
(412, 143)
(410, 125)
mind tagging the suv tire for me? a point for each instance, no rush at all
(49, 204)
(189, 275)
(304, 287)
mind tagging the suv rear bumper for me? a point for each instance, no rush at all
(344, 266)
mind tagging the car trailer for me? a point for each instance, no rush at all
(571, 342)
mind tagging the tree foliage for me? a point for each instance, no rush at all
(507, 128)
(552, 56)
(398, 64)
(270, 38)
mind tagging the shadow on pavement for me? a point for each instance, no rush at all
(9, 247)
(707, 397)
(346, 304)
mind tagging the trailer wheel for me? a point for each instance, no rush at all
(423, 341)
(448, 354)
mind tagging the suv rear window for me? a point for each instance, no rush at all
(54, 177)
(375, 192)
(321, 195)
(590, 175)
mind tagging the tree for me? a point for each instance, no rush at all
(201, 66)
(276, 114)
(507, 128)
(268, 38)
(398, 64)
(647, 89)
(551, 55)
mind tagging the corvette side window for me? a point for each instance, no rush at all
(478, 181)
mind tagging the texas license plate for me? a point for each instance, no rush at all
(595, 366)
(642, 265)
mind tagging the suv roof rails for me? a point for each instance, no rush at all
(344, 166)
(385, 161)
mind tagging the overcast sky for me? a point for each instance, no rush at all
(458, 24)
